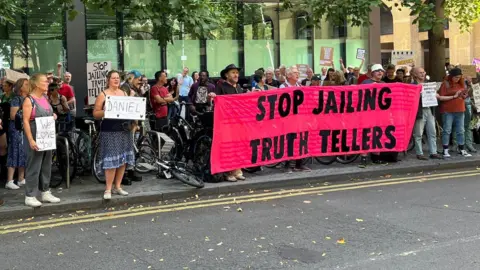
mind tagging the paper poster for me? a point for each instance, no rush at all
(469, 70)
(429, 95)
(46, 137)
(326, 56)
(125, 107)
(361, 54)
(302, 70)
(403, 60)
(298, 122)
(97, 79)
(476, 93)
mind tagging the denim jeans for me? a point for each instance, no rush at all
(468, 131)
(451, 120)
(187, 109)
(428, 121)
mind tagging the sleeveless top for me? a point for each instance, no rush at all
(112, 125)
(40, 109)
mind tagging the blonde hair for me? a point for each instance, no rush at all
(34, 80)
(339, 78)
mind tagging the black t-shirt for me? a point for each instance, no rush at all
(274, 83)
(227, 89)
(395, 80)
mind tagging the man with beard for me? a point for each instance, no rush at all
(230, 87)
(201, 93)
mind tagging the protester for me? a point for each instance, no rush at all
(173, 89)
(200, 94)
(324, 74)
(60, 106)
(67, 91)
(402, 76)
(308, 81)
(39, 163)
(277, 74)
(365, 76)
(195, 77)
(452, 95)
(144, 86)
(116, 143)
(228, 87)
(269, 80)
(390, 75)
(315, 81)
(353, 80)
(425, 119)
(339, 78)
(260, 83)
(469, 110)
(5, 99)
(159, 98)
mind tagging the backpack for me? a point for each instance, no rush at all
(19, 115)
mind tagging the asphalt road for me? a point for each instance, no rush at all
(414, 223)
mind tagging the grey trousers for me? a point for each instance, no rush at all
(38, 171)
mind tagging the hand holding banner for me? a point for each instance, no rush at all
(286, 124)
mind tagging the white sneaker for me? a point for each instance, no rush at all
(48, 197)
(445, 153)
(32, 202)
(107, 195)
(21, 183)
(11, 185)
(120, 192)
(465, 153)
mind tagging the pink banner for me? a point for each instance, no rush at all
(286, 124)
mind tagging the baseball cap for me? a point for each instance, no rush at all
(377, 67)
(136, 74)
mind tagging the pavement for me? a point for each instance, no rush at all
(410, 222)
(86, 193)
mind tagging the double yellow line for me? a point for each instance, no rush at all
(88, 218)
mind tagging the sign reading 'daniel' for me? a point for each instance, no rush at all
(45, 137)
(125, 107)
(429, 95)
(97, 79)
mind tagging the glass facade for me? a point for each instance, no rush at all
(259, 35)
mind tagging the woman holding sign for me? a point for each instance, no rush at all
(116, 142)
(39, 161)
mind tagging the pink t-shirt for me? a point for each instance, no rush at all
(42, 102)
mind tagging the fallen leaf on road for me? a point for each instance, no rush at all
(359, 220)
(211, 249)
(224, 229)
(388, 176)
(59, 254)
(226, 207)
(196, 196)
(341, 241)
(114, 226)
(446, 205)
(307, 202)
(267, 190)
(326, 183)
(41, 235)
(28, 219)
(207, 239)
(96, 252)
(149, 267)
(219, 244)
(161, 260)
(80, 211)
(328, 238)
(289, 227)
(153, 219)
(239, 209)
(314, 242)
(324, 254)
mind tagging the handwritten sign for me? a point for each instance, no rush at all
(476, 93)
(45, 137)
(326, 56)
(125, 107)
(97, 79)
(429, 95)
(469, 70)
(361, 54)
(302, 69)
(403, 60)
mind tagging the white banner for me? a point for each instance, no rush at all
(429, 95)
(125, 107)
(97, 79)
(45, 137)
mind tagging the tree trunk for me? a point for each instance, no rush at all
(436, 45)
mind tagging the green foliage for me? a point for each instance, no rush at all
(8, 10)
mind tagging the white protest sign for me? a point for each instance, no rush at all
(97, 79)
(403, 59)
(476, 93)
(429, 95)
(45, 137)
(361, 54)
(125, 107)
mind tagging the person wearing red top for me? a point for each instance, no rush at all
(67, 91)
(159, 98)
(365, 76)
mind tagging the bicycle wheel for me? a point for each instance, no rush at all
(186, 176)
(84, 152)
(326, 160)
(97, 170)
(145, 159)
(176, 153)
(347, 159)
(73, 159)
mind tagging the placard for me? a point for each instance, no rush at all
(361, 54)
(429, 95)
(476, 93)
(45, 138)
(326, 56)
(302, 70)
(403, 60)
(97, 79)
(469, 70)
(125, 107)
(260, 128)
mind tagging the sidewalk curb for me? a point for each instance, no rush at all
(212, 189)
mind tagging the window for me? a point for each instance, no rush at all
(386, 21)
(102, 38)
(294, 44)
(183, 52)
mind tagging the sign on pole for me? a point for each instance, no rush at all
(326, 56)
(361, 54)
(45, 137)
(97, 79)
(403, 60)
(125, 107)
(302, 70)
(429, 95)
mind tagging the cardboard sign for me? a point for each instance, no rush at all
(302, 70)
(13, 76)
(469, 70)
(476, 93)
(46, 137)
(361, 54)
(125, 107)
(326, 56)
(429, 95)
(403, 60)
(265, 127)
(97, 79)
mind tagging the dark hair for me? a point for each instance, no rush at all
(170, 85)
(193, 74)
(391, 67)
(206, 71)
(53, 86)
(327, 78)
(401, 70)
(257, 78)
(158, 74)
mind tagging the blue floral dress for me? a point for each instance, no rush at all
(16, 149)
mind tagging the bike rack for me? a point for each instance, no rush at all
(167, 146)
(67, 149)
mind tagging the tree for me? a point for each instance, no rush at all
(432, 14)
